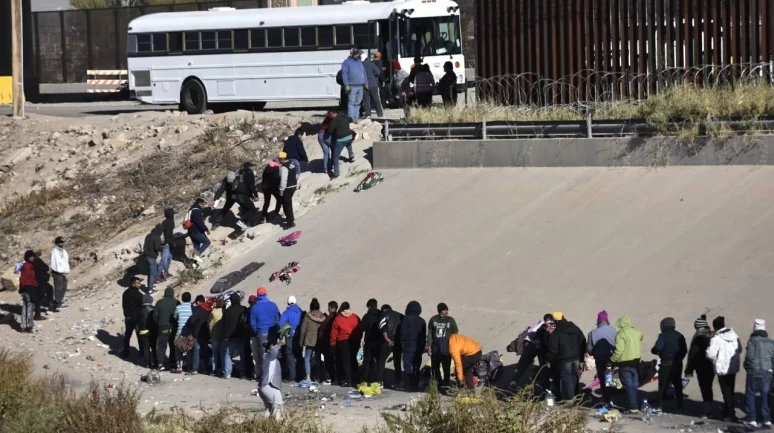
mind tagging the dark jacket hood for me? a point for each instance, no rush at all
(566, 327)
(235, 299)
(169, 213)
(169, 293)
(413, 309)
(668, 323)
(760, 333)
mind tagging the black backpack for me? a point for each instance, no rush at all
(339, 80)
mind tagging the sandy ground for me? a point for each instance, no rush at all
(500, 247)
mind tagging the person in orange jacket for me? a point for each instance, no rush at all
(466, 353)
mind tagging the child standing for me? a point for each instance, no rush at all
(28, 288)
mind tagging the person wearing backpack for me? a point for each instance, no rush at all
(424, 86)
(152, 246)
(287, 187)
(245, 194)
(601, 345)
(197, 231)
(439, 329)
(724, 351)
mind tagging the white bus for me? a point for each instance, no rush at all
(282, 54)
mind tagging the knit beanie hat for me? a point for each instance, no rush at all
(442, 307)
(701, 322)
(719, 322)
(759, 325)
(602, 316)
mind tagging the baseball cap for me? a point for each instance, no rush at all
(59, 240)
(291, 300)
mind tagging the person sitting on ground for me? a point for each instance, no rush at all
(671, 348)
(465, 352)
(270, 383)
(287, 188)
(28, 289)
(447, 85)
(198, 231)
(294, 149)
(341, 137)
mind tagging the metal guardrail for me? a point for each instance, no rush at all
(571, 129)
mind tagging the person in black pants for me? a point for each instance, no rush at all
(698, 362)
(389, 326)
(413, 336)
(131, 302)
(323, 347)
(671, 348)
(270, 182)
(372, 341)
(145, 331)
(725, 342)
(288, 182)
(439, 329)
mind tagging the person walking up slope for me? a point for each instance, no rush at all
(198, 230)
(759, 364)
(724, 352)
(671, 348)
(698, 362)
(413, 337)
(168, 230)
(627, 357)
(601, 344)
(151, 249)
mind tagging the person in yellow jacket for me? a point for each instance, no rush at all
(465, 352)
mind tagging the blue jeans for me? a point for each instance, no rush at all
(308, 361)
(217, 355)
(355, 97)
(338, 146)
(230, 345)
(152, 271)
(298, 167)
(631, 382)
(325, 143)
(166, 260)
(200, 242)
(193, 356)
(758, 383)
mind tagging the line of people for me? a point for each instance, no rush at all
(36, 292)
(561, 348)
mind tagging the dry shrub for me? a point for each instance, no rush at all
(235, 420)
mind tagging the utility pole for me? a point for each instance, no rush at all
(16, 60)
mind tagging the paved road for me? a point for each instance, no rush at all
(84, 109)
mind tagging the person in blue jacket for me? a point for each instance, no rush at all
(353, 78)
(264, 316)
(292, 317)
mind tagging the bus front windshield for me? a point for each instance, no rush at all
(432, 36)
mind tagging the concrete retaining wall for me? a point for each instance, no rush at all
(575, 152)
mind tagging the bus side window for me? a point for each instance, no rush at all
(257, 38)
(344, 36)
(224, 40)
(175, 42)
(191, 41)
(325, 36)
(274, 38)
(159, 42)
(208, 40)
(241, 39)
(308, 37)
(144, 43)
(292, 38)
(360, 35)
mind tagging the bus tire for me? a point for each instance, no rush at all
(193, 97)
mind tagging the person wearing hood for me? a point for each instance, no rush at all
(270, 182)
(195, 327)
(671, 348)
(152, 246)
(601, 344)
(246, 193)
(323, 347)
(146, 332)
(294, 148)
(168, 230)
(60, 268)
(566, 354)
(466, 354)
(627, 357)
(198, 230)
(28, 289)
(292, 318)
(345, 337)
(264, 316)
(389, 326)
(287, 187)
(759, 364)
(439, 329)
(372, 341)
(725, 353)
(698, 362)
(164, 318)
(309, 328)
(215, 324)
(270, 381)
(226, 188)
(413, 335)
(183, 312)
(232, 330)
(43, 276)
(131, 303)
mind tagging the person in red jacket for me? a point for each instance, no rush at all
(345, 337)
(28, 288)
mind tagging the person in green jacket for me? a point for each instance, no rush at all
(163, 316)
(627, 358)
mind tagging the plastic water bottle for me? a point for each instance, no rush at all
(609, 381)
(550, 399)
(647, 411)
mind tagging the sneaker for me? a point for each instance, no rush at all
(158, 280)
(290, 225)
(63, 305)
(39, 318)
(633, 411)
(191, 373)
(751, 423)
(327, 382)
(162, 368)
(53, 310)
(767, 423)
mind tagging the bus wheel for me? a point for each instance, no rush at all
(193, 97)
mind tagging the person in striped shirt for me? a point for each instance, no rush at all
(182, 314)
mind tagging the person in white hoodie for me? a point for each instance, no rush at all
(724, 351)
(60, 268)
(270, 383)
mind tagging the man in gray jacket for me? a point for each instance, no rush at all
(270, 383)
(759, 364)
(601, 345)
(371, 98)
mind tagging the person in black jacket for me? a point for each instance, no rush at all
(323, 346)
(390, 327)
(270, 182)
(232, 330)
(671, 348)
(565, 353)
(198, 231)
(699, 363)
(447, 85)
(131, 302)
(294, 148)
(412, 336)
(287, 187)
(372, 341)
(45, 289)
(151, 249)
(168, 229)
(245, 194)
(226, 188)
(196, 327)
(146, 332)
